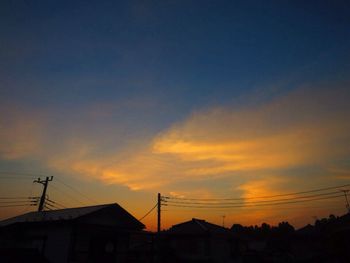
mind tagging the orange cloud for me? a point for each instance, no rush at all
(273, 136)
(303, 128)
(250, 150)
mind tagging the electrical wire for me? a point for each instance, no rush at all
(20, 175)
(148, 212)
(56, 203)
(75, 190)
(12, 205)
(33, 198)
(53, 206)
(22, 197)
(15, 202)
(48, 208)
(251, 202)
(67, 194)
(240, 206)
(252, 208)
(259, 197)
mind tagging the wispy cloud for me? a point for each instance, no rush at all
(20, 133)
(307, 127)
(289, 132)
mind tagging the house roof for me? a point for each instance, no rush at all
(114, 211)
(197, 226)
(330, 225)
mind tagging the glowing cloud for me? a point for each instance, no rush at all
(308, 127)
(273, 136)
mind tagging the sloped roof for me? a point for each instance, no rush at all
(329, 226)
(197, 226)
(73, 214)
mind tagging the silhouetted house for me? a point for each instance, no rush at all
(197, 241)
(326, 241)
(263, 244)
(101, 233)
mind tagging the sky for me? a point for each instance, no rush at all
(121, 100)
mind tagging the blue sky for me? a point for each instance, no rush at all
(193, 54)
(91, 89)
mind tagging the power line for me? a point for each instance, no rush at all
(23, 175)
(49, 204)
(258, 197)
(345, 191)
(252, 202)
(20, 175)
(148, 212)
(30, 194)
(21, 197)
(28, 201)
(250, 208)
(67, 194)
(240, 206)
(13, 205)
(53, 206)
(77, 191)
(56, 203)
(14, 202)
(47, 208)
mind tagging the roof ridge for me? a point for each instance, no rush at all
(72, 214)
(79, 207)
(47, 213)
(69, 208)
(198, 222)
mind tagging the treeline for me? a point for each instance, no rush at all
(285, 229)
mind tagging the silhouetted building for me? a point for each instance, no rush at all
(196, 241)
(326, 241)
(102, 233)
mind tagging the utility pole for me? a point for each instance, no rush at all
(158, 212)
(45, 183)
(223, 221)
(346, 199)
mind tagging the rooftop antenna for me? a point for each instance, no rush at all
(223, 220)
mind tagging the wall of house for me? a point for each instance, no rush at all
(105, 218)
(190, 247)
(204, 248)
(52, 241)
(57, 244)
(99, 244)
(111, 216)
(220, 250)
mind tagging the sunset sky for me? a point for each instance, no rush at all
(121, 100)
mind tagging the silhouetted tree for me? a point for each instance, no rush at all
(237, 228)
(285, 228)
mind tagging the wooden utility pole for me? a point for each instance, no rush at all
(45, 183)
(158, 212)
(346, 199)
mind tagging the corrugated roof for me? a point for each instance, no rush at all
(56, 215)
